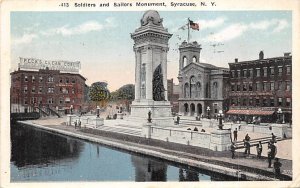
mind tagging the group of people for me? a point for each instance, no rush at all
(272, 151)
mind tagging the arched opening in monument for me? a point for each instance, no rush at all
(184, 61)
(198, 90)
(194, 59)
(192, 109)
(186, 108)
(192, 87)
(186, 90)
(199, 109)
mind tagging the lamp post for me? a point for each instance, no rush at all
(208, 110)
(220, 117)
(149, 115)
(98, 111)
(279, 112)
(71, 109)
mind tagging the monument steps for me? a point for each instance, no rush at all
(190, 122)
(122, 129)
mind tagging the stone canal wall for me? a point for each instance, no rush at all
(137, 148)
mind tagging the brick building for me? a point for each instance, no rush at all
(44, 89)
(173, 96)
(260, 87)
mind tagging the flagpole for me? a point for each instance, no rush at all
(188, 39)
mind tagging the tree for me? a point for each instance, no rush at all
(99, 93)
(124, 94)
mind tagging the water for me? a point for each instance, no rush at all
(42, 156)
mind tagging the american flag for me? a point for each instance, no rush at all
(194, 26)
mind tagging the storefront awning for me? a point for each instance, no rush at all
(256, 112)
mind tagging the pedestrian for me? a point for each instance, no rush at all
(247, 137)
(273, 138)
(259, 149)
(245, 145)
(277, 166)
(232, 149)
(235, 134)
(269, 156)
(75, 124)
(248, 148)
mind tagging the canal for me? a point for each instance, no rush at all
(38, 155)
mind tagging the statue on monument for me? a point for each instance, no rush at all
(158, 86)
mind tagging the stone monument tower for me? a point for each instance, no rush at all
(151, 48)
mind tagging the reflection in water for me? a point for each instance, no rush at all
(42, 156)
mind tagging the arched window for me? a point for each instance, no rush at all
(215, 90)
(186, 90)
(184, 61)
(194, 59)
(186, 108)
(198, 90)
(192, 86)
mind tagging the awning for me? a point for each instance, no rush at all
(250, 112)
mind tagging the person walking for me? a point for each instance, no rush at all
(277, 166)
(273, 138)
(235, 134)
(269, 156)
(232, 149)
(259, 149)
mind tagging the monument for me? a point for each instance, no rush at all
(151, 48)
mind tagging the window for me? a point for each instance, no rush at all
(25, 101)
(272, 101)
(194, 59)
(288, 85)
(67, 80)
(258, 72)
(61, 101)
(265, 86)
(60, 80)
(33, 89)
(40, 89)
(272, 71)
(50, 79)
(288, 70)
(250, 86)
(25, 89)
(73, 90)
(50, 101)
(245, 73)
(26, 78)
(238, 101)
(280, 71)
(288, 102)
(238, 73)
(33, 79)
(257, 102)
(272, 86)
(265, 102)
(251, 73)
(33, 100)
(233, 101)
(280, 85)
(40, 100)
(244, 87)
(250, 101)
(238, 87)
(73, 81)
(41, 78)
(232, 87)
(265, 71)
(50, 89)
(245, 102)
(257, 86)
(232, 74)
(279, 101)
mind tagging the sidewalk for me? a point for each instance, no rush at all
(251, 164)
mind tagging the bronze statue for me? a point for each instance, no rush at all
(158, 86)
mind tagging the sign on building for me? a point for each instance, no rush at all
(36, 64)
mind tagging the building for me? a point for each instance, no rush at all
(203, 86)
(173, 95)
(260, 87)
(46, 89)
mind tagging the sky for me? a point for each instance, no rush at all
(101, 40)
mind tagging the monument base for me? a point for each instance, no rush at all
(220, 140)
(160, 112)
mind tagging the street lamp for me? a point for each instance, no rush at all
(71, 109)
(149, 115)
(208, 110)
(220, 117)
(98, 111)
(279, 112)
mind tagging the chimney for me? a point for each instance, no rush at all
(287, 54)
(261, 55)
(236, 60)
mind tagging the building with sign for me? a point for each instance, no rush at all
(260, 87)
(35, 89)
(203, 86)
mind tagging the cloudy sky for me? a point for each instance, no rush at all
(101, 40)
